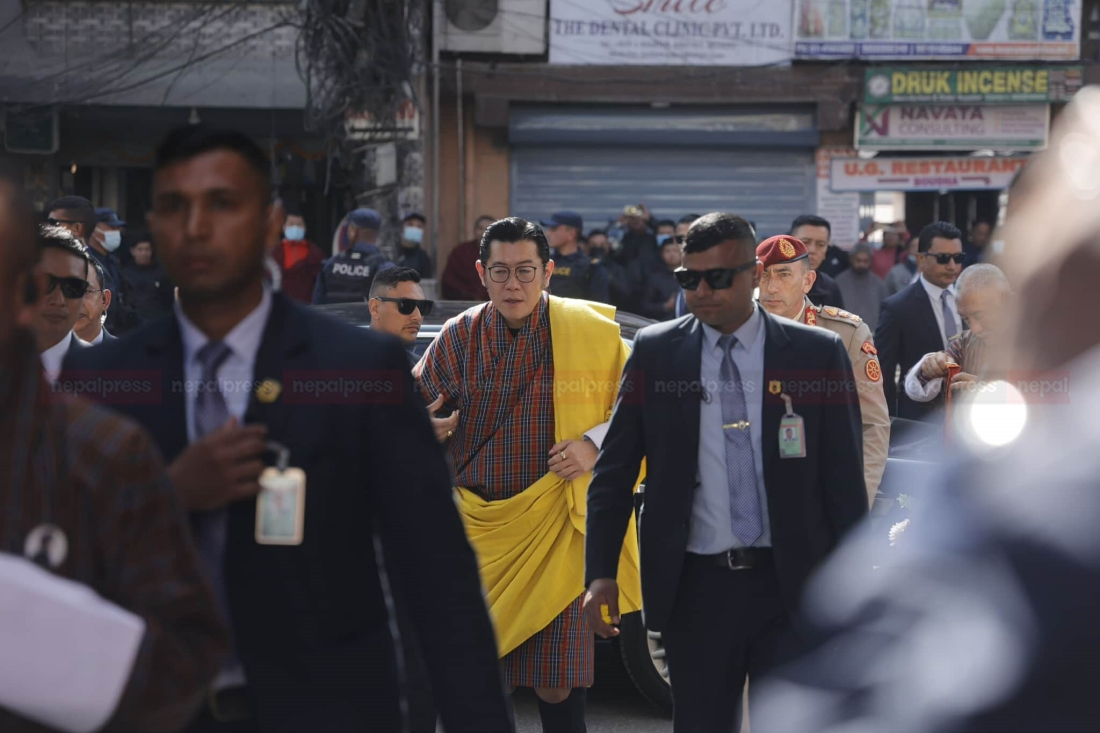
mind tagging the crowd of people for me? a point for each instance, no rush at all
(319, 530)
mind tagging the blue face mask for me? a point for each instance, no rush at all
(413, 234)
(295, 234)
(662, 238)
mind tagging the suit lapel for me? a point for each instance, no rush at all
(686, 348)
(777, 366)
(928, 316)
(284, 344)
(164, 349)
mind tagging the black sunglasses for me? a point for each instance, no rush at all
(719, 278)
(58, 222)
(406, 306)
(943, 258)
(71, 287)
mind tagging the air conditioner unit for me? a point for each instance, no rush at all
(491, 26)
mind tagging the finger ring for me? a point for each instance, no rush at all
(563, 455)
(450, 433)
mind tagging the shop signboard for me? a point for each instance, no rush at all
(852, 175)
(1047, 30)
(670, 32)
(953, 127)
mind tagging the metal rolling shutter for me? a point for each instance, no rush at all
(769, 186)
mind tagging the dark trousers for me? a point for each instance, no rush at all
(725, 625)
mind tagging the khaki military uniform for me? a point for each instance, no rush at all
(857, 339)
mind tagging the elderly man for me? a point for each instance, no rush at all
(863, 290)
(984, 296)
(784, 285)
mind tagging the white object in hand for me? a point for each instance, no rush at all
(68, 653)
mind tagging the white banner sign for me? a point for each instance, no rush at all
(670, 32)
(921, 174)
(840, 208)
(963, 30)
(953, 127)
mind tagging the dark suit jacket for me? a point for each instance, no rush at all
(907, 330)
(825, 291)
(812, 501)
(310, 622)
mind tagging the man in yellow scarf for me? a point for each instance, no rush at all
(533, 378)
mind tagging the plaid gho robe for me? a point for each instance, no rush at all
(101, 480)
(503, 386)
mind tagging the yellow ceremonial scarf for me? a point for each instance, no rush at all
(530, 547)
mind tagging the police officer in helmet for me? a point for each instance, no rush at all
(576, 275)
(347, 277)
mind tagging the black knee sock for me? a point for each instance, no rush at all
(564, 717)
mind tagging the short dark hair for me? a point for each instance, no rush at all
(101, 276)
(483, 217)
(136, 236)
(666, 223)
(597, 233)
(810, 220)
(57, 237)
(941, 229)
(511, 230)
(688, 219)
(390, 277)
(78, 209)
(185, 143)
(987, 222)
(710, 230)
(420, 218)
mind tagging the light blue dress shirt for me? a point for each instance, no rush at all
(710, 531)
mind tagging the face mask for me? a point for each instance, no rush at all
(413, 234)
(295, 233)
(111, 240)
(662, 238)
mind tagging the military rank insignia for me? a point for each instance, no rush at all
(786, 248)
(832, 311)
(775, 386)
(811, 316)
(868, 348)
(874, 371)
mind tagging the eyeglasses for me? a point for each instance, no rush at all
(89, 291)
(406, 306)
(719, 278)
(524, 273)
(71, 287)
(943, 258)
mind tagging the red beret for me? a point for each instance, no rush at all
(780, 250)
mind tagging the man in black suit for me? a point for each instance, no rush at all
(735, 516)
(65, 263)
(922, 318)
(816, 233)
(93, 308)
(237, 367)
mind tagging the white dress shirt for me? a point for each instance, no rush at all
(97, 339)
(920, 391)
(711, 531)
(235, 374)
(234, 379)
(934, 293)
(53, 356)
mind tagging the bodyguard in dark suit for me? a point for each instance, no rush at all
(735, 517)
(238, 366)
(921, 318)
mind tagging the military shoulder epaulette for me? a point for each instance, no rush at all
(841, 314)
